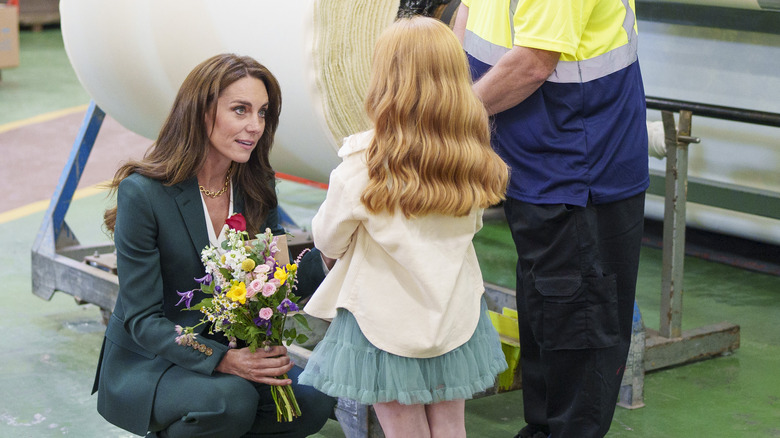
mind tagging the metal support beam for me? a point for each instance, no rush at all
(674, 221)
(69, 180)
(631, 395)
(692, 345)
(52, 271)
(670, 345)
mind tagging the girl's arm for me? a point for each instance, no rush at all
(334, 224)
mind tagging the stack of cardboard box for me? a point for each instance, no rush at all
(9, 36)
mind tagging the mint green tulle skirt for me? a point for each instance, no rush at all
(344, 364)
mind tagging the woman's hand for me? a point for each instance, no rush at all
(260, 366)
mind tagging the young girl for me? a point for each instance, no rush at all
(410, 332)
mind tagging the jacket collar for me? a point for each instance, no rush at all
(356, 143)
(191, 209)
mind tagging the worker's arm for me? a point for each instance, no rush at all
(518, 73)
(459, 27)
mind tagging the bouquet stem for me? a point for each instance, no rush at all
(287, 407)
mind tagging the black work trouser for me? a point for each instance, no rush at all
(576, 284)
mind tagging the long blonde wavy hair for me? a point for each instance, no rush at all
(431, 149)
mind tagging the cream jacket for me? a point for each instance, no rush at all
(413, 285)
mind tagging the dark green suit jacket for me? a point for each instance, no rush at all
(159, 234)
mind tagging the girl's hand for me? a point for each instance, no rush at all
(260, 366)
(329, 262)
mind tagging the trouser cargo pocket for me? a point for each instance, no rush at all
(577, 312)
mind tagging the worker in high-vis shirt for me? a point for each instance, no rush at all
(562, 82)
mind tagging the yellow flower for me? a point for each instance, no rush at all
(237, 292)
(292, 267)
(222, 260)
(281, 275)
(247, 265)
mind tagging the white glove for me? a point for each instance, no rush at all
(656, 146)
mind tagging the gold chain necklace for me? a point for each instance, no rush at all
(219, 193)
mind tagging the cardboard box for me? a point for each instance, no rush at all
(9, 37)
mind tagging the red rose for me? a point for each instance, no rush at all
(236, 222)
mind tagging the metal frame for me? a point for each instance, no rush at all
(57, 257)
(670, 345)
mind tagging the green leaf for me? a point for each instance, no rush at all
(301, 338)
(300, 319)
(253, 331)
(203, 302)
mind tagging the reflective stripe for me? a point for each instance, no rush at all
(566, 71)
(594, 68)
(481, 49)
(512, 10)
(484, 50)
(604, 64)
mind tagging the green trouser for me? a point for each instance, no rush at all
(189, 404)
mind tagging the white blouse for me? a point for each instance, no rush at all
(214, 239)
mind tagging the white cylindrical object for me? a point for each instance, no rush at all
(132, 55)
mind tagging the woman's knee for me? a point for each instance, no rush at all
(238, 399)
(214, 406)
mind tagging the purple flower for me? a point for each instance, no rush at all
(286, 305)
(186, 297)
(261, 322)
(217, 289)
(206, 279)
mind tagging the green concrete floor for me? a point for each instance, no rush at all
(50, 348)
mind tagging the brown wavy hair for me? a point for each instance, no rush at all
(431, 149)
(181, 147)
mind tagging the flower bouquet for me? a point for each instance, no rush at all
(249, 287)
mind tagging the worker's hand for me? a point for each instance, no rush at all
(261, 366)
